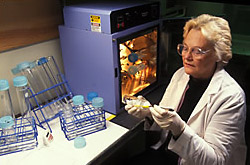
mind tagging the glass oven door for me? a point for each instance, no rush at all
(138, 55)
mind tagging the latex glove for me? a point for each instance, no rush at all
(169, 120)
(138, 108)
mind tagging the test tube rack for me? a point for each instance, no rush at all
(86, 121)
(54, 105)
(24, 137)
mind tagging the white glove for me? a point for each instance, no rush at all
(169, 120)
(138, 108)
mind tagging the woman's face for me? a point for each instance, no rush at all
(204, 66)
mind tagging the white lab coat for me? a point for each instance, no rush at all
(214, 134)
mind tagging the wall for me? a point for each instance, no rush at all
(10, 59)
(27, 22)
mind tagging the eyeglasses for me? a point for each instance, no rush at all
(196, 52)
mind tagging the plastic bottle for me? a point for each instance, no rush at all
(6, 108)
(91, 95)
(50, 71)
(7, 123)
(34, 79)
(98, 104)
(22, 91)
(79, 103)
(7, 117)
(37, 84)
(68, 116)
(79, 108)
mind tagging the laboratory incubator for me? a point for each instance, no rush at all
(111, 48)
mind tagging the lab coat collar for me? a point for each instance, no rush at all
(182, 84)
(212, 88)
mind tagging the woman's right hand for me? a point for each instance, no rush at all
(138, 111)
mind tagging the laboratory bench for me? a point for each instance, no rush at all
(61, 151)
(122, 140)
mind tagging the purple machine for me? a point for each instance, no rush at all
(110, 48)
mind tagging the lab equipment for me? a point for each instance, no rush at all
(49, 91)
(68, 116)
(79, 142)
(78, 102)
(8, 131)
(51, 73)
(22, 91)
(91, 95)
(118, 36)
(15, 134)
(21, 137)
(38, 85)
(139, 101)
(7, 116)
(6, 108)
(87, 119)
(98, 104)
(36, 82)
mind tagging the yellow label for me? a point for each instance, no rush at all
(110, 117)
(95, 19)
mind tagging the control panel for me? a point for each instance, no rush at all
(129, 17)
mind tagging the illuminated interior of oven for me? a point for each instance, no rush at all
(138, 59)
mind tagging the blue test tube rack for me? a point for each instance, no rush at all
(23, 138)
(39, 110)
(86, 121)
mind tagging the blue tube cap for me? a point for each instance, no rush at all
(92, 95)
(6, 122)
(15, 70)
(133, 57)
(79, 142)
(20, 81)
(23, 65)
(42, 60)
(32, 64)
(132, 70)
(78, 99)
(4, 84)
(98, 102)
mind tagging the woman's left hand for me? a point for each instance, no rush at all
(169, 120)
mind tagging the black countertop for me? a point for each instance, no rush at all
(129, 121)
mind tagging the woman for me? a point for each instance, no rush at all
(207, 124)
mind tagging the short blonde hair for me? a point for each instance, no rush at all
(217, 31)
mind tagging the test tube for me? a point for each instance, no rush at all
(98, 104)
(37, 85)
(7, 116)
(6, 108)
(51, 72)
(26, 69)
(22, 91)
(79, 107)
